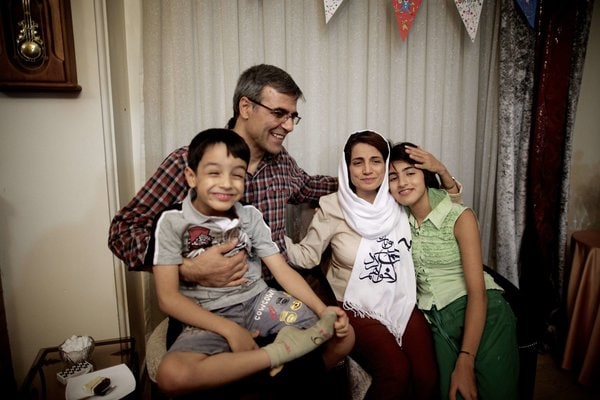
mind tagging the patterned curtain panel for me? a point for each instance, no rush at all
(537, 120)
(517, 43)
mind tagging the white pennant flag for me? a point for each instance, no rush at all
(331, 7)
(470, 11)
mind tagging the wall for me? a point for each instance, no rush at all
(125, 44)
(584, 209)
(55, 206)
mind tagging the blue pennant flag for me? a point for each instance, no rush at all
(529, 9)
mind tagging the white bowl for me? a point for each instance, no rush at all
(76, 349)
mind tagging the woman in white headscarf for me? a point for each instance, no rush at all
(371, 270)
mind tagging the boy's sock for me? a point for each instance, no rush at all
(292, 342)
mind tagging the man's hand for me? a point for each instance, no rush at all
(211, 268)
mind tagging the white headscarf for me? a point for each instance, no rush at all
(382, 284)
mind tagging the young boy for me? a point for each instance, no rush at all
(217, 347)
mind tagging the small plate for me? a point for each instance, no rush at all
(120, 376)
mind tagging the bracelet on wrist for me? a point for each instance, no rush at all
(467, 353)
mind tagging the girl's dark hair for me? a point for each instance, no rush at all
(367, 137)
(236, 146)
(398, 153)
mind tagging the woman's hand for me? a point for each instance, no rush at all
(342, 323)
(427, 161)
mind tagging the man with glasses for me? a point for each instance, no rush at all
(264, 113)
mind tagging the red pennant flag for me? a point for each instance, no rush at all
(405, 11)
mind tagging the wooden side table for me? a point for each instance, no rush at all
(41, 382)
(582, 347)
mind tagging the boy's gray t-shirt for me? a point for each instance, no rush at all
(182, 231)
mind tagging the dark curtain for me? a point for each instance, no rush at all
(560, 42)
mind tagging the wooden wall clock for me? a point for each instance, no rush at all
(37, 52)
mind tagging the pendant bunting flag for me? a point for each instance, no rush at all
(405, 11)
(331, 7)
(470, 11)
(529, 9)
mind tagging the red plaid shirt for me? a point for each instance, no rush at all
(277, 181)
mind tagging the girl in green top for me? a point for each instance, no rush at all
(474, 327)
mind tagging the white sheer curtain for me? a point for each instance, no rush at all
(437, 89)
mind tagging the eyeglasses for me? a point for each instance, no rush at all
(279, 113)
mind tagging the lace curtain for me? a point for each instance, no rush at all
(437, 89)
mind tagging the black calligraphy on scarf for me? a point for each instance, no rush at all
(380, 265)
